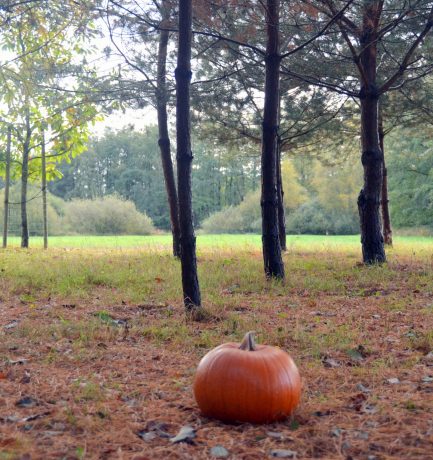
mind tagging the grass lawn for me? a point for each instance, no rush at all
(301, 242)
(97, 358)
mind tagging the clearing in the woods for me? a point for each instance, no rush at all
(97, 358)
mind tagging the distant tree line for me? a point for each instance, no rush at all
(320, 197)
(127, 163)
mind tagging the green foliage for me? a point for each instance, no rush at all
(295, 194)
(55, 209)
(410, 178)
(44, 47)
(244, 218)
(331, 208)
(314, 218)
(337, 187)
(105, 216)
(321, 198)
(326, 205)
(127, 163)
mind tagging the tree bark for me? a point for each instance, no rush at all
(273, 262)
(7, 185)
(280, 194)
(164, 138)
(372, 159)
(184, 157)
(386, 218)
(24, 181)
(44, 193)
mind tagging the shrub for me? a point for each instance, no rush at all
(55, 207)
(106, 216)
(244, 218)
(310, 217)
(313, 218)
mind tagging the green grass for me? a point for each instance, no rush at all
(307, 243)
(142, 269)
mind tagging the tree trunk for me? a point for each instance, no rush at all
(44, 193)
(280, 194)
(7, 185)
(372, 159)
(164, 138)
(274, 267)
(386, 219)
(24, 181)
(191, 289)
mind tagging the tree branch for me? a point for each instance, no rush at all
(406, 60)
(320, 33)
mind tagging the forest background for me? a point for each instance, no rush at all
(117, 187)
(114, 183)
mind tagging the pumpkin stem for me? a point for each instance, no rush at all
(248, 343)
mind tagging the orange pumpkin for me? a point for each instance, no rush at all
(247, 383)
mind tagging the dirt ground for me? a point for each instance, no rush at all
(92, 379)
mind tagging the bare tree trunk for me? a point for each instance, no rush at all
(273, 262)
(372, 159)
(191, 289)
(44, 193)
(386, 218)
(164, 138)
(24, 181)
(280, 193)
(7, 185)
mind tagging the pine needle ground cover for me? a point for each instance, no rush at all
(97, 359)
